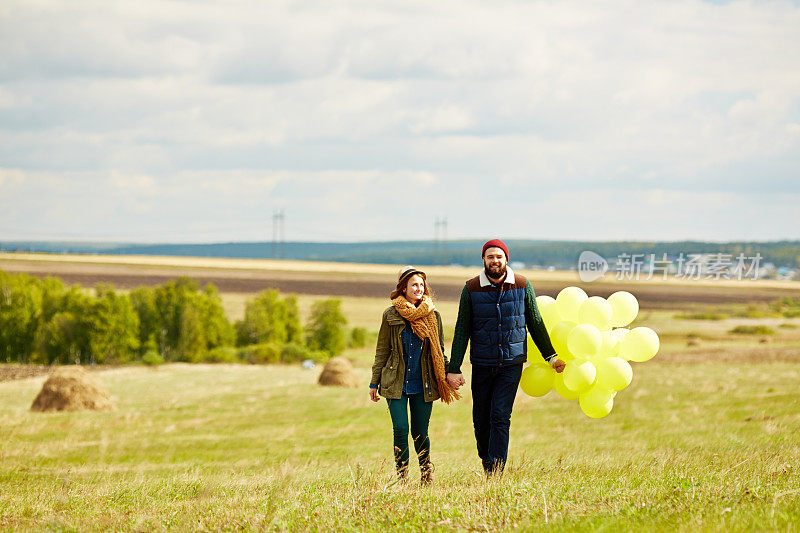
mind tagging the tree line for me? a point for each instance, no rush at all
(44, 321)
(560, 254)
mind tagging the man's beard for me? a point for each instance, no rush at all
(499, 274)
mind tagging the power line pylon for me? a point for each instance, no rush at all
(278, 234)
(440, 239)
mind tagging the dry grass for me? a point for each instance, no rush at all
(72, 388)
(705, 438)
(339, 372)
(703, 446)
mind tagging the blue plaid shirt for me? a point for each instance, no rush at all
(412, 353)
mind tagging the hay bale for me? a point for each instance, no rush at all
(339, 372)
(72, 389)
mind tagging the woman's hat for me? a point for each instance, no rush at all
(407, 271)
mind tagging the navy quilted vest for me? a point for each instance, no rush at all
(498, 322)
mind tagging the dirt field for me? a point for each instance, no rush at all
(376, 281)
(12, 371)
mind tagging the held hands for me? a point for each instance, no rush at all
(456, 380)
(373, 395)
(557, 364)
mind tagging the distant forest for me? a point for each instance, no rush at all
(543, 254)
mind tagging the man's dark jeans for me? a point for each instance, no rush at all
(493, 392)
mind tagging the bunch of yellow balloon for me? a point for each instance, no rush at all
(590, 336)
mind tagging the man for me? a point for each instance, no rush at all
(494, 309)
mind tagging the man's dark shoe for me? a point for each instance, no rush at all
(493, 469)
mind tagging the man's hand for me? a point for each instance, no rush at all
(373, 395)
(456, 380)
(557, 364)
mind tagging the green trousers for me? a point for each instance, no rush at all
(420, 416)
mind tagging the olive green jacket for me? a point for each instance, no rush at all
(389, 369)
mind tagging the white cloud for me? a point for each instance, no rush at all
(656, 214)
(134, 184)
(233, 102)
(11, 177)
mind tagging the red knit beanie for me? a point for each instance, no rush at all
(495, 243)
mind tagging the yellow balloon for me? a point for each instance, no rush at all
(558, 337)
(584, 341)
(597, 402)
(599, 356)
(534, 355)
(562, 390)
(639, 345)
(597, 312)
(620, 332)
(624, 308)
(569, 301)
(537, 380)
(614, 373)
(544, 299)
(550, 315)
(611, 344)
(579, 376)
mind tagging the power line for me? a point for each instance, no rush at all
(440, 239)
(278, 234)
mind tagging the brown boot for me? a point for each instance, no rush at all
(427, 473)
(401, 465)
(402, 473)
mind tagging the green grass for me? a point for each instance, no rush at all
(701, 316)
(701, 445)
(753, 330)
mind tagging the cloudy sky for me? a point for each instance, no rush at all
(365, 120)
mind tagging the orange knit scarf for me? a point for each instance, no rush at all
(424, 325)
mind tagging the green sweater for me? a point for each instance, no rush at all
(533, 319)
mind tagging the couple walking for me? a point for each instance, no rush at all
(411, 370)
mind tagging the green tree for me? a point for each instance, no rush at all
(218, 330)
(358, 337)
(65, 336)
(192, 345)
(114, 335)
(172, 300)
(59, 340)
(265, 319)
(294, 328)
(184, 321)
(143, 300)
(326, 327)
(20, 309)
(52, 301)
(42, 321)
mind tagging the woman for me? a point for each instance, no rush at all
(409, 369)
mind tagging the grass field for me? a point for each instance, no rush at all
(692, 445)
(707, 437)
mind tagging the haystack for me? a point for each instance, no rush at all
(339, 372)
(72, 389)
